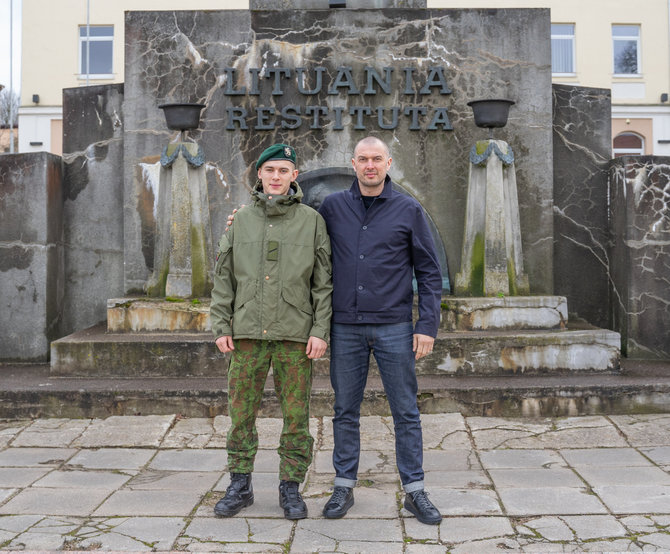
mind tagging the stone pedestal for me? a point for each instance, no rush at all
(519, 334)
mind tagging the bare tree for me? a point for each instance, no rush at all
(9, 108)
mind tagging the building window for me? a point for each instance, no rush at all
(563, 48)
(626, 49)
(628, 144)
(96, 41)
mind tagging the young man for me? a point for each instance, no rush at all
(379, 237)
(271, 304)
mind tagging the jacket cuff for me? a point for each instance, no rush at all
(320, 333)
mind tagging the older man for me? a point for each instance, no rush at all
(379, 239)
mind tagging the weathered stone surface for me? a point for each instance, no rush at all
(93, 352)
(31, 254)
(182, 56)
(640, 299)
(582, 150)
(93, 203)
(523, 352)
(509, 312)
(137, 314)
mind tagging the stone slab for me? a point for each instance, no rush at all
(35, 457)
(149, 503)
(83, 480)
(128, 534)
(501, 313)
(190, 460)
(521, 501)
(142, 314)
(112, 458)
(640, 499)
(126, 431)
(523, 352)
(57, 502)
(94, 352)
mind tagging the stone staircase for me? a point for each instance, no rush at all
(509, 356)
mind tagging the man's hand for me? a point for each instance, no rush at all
(225, 343)
(231, 217)
(423, 345)
(316, 348)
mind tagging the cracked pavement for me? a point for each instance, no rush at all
(149, 483)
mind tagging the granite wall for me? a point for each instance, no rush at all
(92, 203)
(323, 79)
(31, 254)
(640, 254)
(582, 151)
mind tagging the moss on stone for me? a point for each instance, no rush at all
(157, 289)
(200, 282)
(477, 265)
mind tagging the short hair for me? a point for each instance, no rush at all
(370, 140)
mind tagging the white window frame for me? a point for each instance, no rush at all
(635, 38)
(82, 44)
(574, 55)
(629, 151)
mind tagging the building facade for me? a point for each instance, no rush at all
(72, 43)
(610, 44)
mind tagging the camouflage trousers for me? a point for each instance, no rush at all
(292, 370)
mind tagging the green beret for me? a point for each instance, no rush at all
(276, 152)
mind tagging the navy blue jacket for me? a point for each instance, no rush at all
(374, 252)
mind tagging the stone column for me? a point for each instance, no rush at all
(492, 260)
(183, 245)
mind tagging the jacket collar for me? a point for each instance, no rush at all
(386, 191)
(278, 204)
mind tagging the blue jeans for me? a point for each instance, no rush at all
(391, 344)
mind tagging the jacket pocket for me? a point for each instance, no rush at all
(245, 292)
(295, 313)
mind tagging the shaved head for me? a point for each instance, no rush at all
(372, 141)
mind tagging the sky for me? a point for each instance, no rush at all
(4, 42)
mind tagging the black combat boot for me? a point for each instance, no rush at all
(239, 494)
(290, 499)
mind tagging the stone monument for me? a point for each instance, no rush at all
(492, 260)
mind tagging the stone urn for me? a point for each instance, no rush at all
(182, 117)
(490, 113)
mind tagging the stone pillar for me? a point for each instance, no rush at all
(31, 254)
(640, 254)
(492, 260)
(183, 244)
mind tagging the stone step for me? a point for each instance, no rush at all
(523, 352)
(95, 352)
(31, 391)
(143, 314)
(504, 313)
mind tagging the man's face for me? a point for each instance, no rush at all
(371, 162)
(276, 176)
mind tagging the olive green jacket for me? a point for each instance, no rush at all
(273, 274)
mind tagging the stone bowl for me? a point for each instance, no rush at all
(491, 113)
(180, 117)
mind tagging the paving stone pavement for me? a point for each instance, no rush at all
(149, 483)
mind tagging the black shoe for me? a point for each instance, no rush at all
(339, 503)
(425, 511)
(239, 494)
(290, 499)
